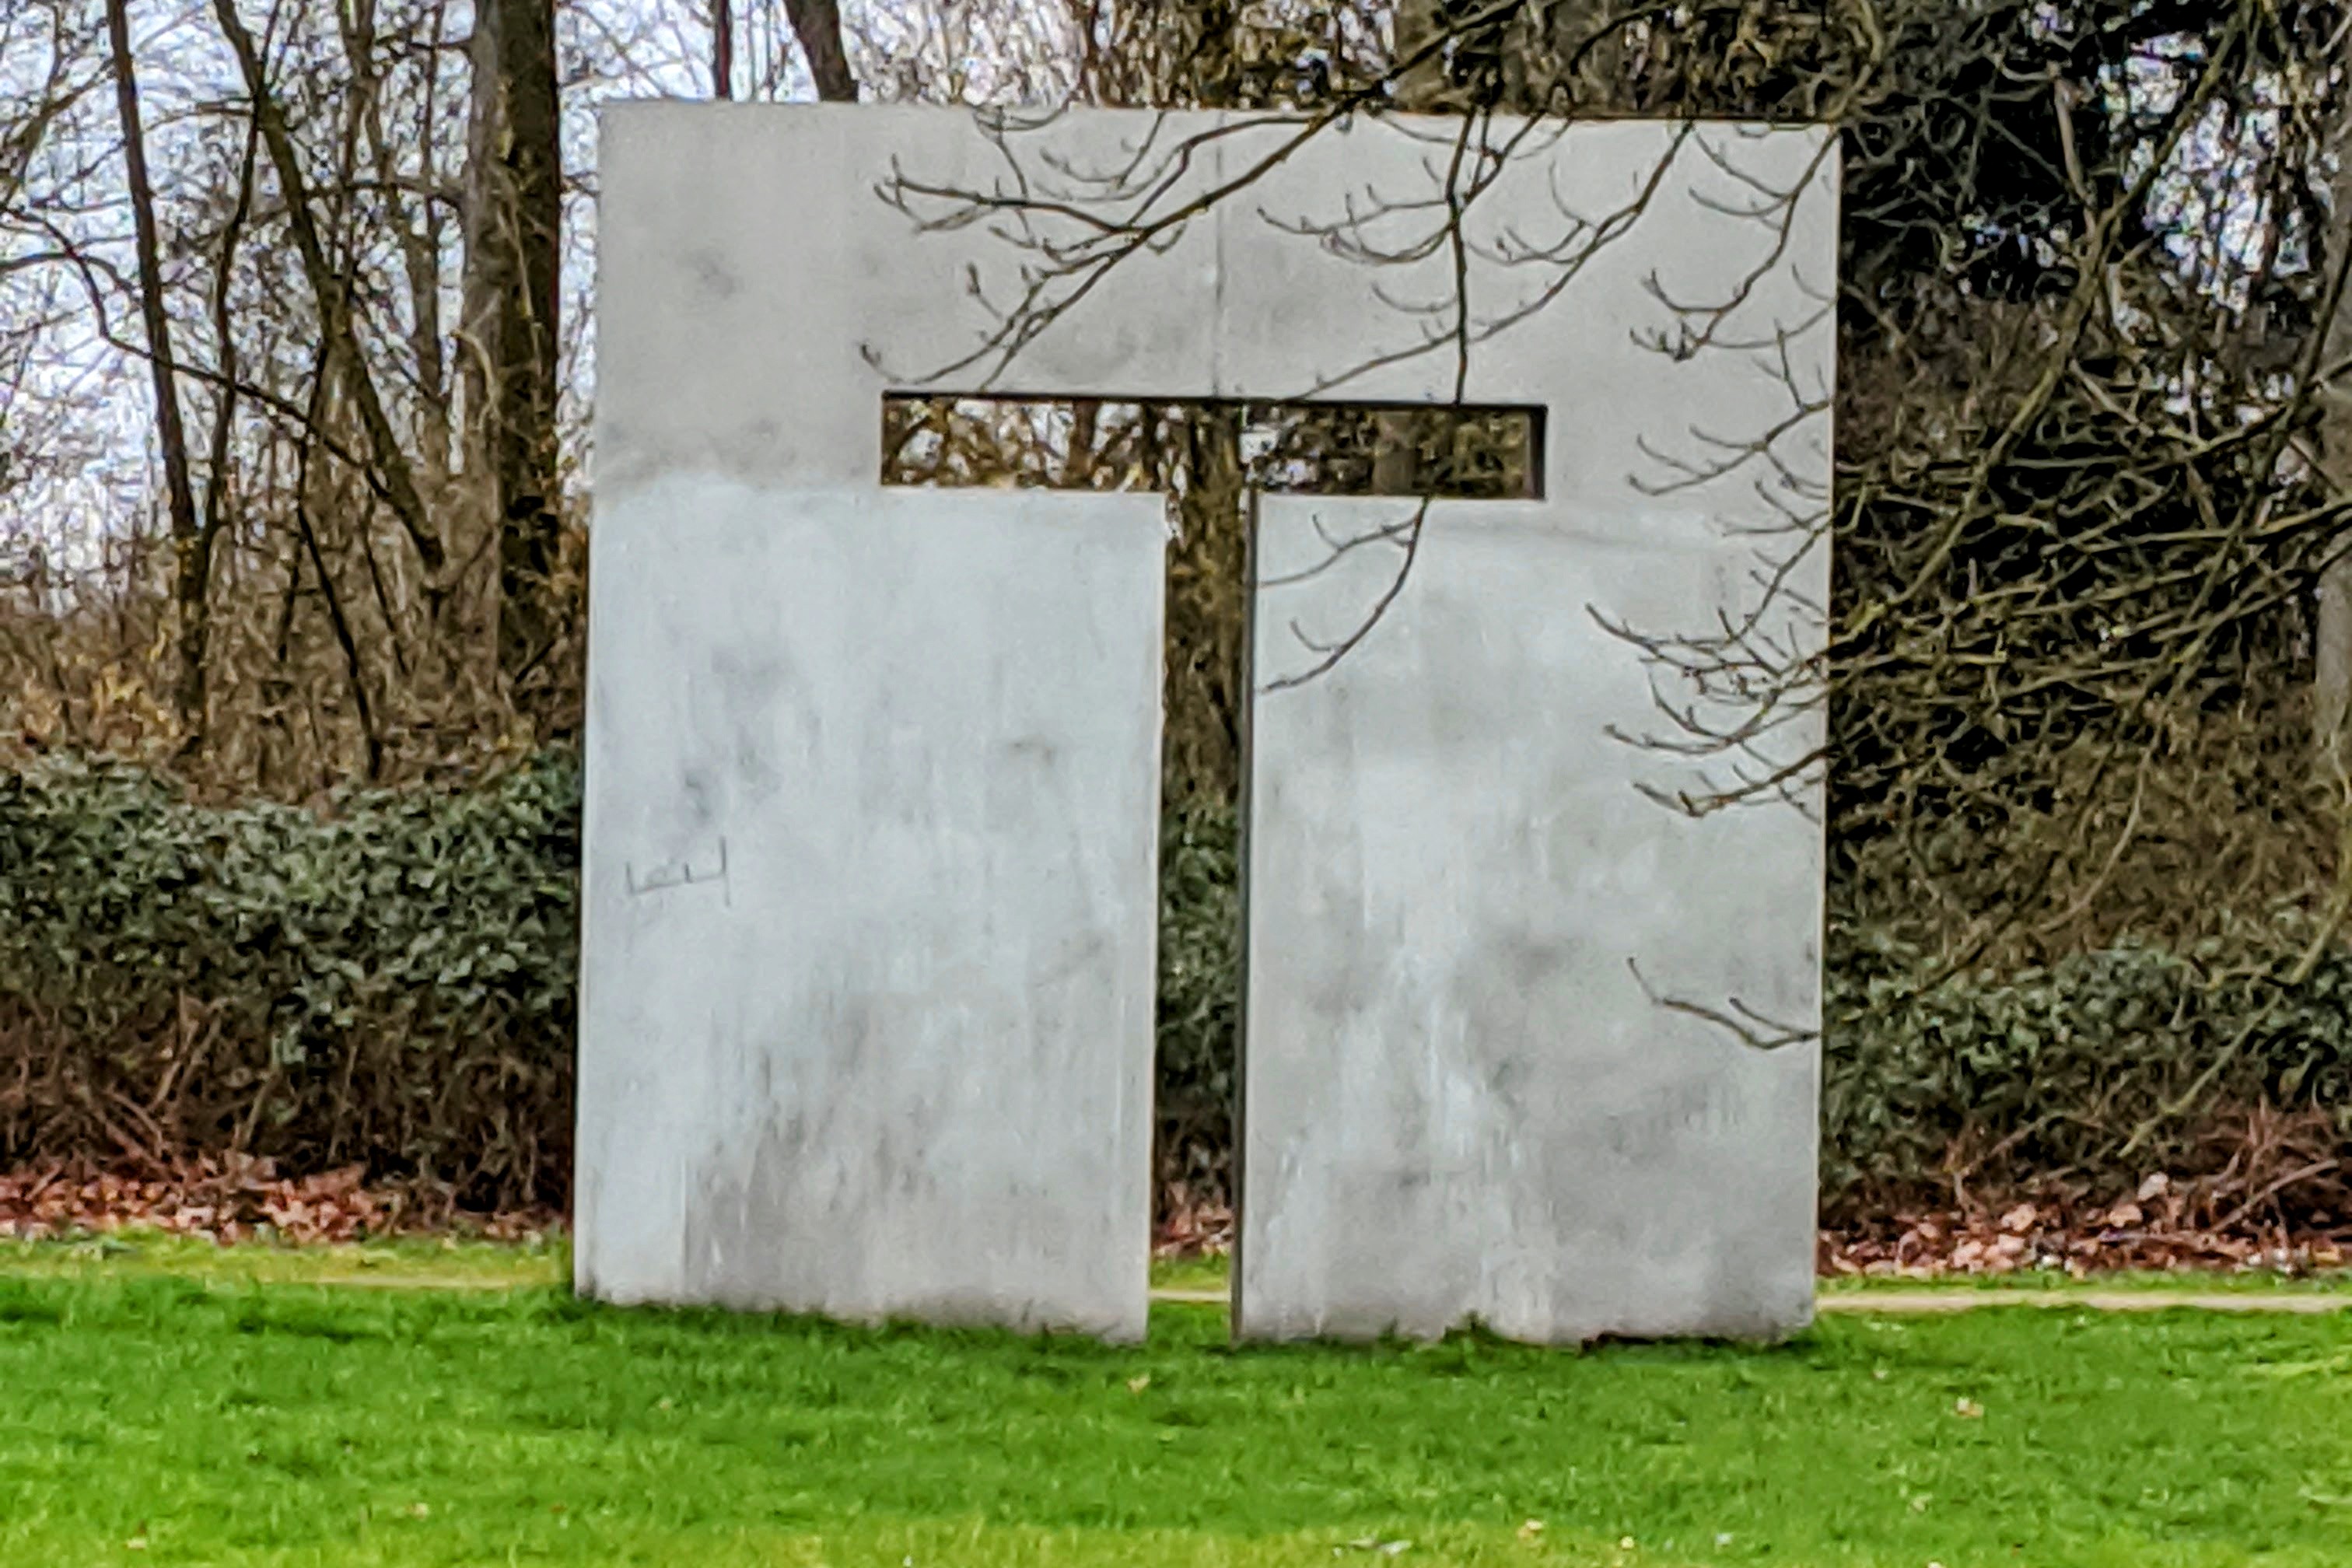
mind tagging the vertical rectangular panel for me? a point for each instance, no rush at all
(1461, 1100)
(867, 1010)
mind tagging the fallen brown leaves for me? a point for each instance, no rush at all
(239, 1199)
(2162, 1226)
(2274, 1194)
(1188, 1227)
(2193, 1227)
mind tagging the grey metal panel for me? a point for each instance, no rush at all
(867, 1011)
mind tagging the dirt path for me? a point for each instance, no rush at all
(2306, 1303)
(1903, 1303)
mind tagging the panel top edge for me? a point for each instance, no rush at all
(1016, 117)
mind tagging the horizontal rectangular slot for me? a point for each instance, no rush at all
(1449, 451)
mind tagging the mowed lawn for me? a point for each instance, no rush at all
(154, 1417)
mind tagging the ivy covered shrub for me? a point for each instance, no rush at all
(390, 982)
(1200, 999)
(2102, 1069)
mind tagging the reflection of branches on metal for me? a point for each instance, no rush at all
(1407, 542)
(1075, 234)
(1751, 1028)
(1072, 227)
(1582, 240)
(1075, 227)
(1737, 693)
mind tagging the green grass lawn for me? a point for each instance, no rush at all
(151, 1416)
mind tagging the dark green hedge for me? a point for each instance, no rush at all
(1200, 1000)
(2104, 1069)
(392, 981)
(389, 983)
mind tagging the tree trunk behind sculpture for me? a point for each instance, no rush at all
(2332, 675)
(514, 221)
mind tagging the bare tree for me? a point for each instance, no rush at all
(2331, 680)
(333, 294)
(514, 221)
(188, 540)
(817, 24)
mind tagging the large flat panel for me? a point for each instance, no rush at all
(867, 1005)
(1462, 1101)
(1468, 1091)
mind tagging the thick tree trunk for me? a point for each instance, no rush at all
(190, 544)
(817, 24)
(722, 49)
(514, 221)
(1204, 697)
(2332, 676)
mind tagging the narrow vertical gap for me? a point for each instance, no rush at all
(1203, 708)
(1239, 1112)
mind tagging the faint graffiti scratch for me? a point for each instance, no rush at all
(679, 874)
